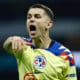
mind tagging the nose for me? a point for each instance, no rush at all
(32, 20)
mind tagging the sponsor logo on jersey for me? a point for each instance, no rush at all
(29, 76)
(40, 62)
(71, 75)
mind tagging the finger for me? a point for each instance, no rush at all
(14, 44)
(19, 45)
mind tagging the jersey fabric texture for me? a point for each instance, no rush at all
(53, 63)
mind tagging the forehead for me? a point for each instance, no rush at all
(36, 11)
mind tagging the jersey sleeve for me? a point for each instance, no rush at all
(63, 52)
(69, 58)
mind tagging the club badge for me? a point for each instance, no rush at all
(40, 62)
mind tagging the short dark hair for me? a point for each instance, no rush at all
(48, 11)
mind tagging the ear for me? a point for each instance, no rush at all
(50, 24)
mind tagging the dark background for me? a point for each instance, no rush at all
(66, 29)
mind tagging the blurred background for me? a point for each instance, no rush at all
(66, 29)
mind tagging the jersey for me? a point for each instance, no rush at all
(61, 51)
(53, 63)
(40, 64)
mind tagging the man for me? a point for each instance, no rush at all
(40, 57)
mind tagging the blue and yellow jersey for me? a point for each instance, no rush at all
(40, 64)
(53, 63)
(61, 51)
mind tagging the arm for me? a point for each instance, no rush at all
(70, 73)
(13, 44)
(8, 45)
(68, 57)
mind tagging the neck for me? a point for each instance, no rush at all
(42, 42)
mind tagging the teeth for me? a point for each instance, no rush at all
(32, 31)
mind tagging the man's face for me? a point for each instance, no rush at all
(37, 22)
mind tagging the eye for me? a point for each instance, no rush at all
(37, 16)
(29, 16)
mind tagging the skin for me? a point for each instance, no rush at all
(42, 22)
(40, 36)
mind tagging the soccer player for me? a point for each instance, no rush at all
(39, 57)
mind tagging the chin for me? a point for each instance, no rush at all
(34, 37)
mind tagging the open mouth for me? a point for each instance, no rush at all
(32, 28)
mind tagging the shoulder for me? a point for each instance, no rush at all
(62, 51)
(58, 48)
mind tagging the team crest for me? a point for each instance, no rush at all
(40, 62)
